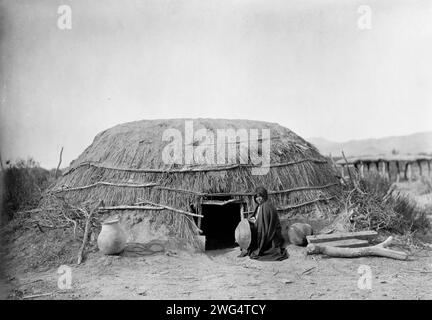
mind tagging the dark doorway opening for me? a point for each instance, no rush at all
(221, 218)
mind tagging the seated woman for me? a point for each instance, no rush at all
(267, 241)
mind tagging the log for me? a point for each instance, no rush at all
(379, 250)
(364, 235)
(348, 243)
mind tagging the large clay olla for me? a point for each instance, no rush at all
(298, 232)
(112, 238)
(243, 234)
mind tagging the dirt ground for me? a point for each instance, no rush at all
(220, 274)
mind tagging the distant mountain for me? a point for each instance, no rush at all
(410, 144)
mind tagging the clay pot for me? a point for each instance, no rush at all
(112, 238)
(297, 233)
(243, 234)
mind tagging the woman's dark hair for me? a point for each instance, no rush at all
(262, 192)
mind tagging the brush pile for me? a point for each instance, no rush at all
(374, 203)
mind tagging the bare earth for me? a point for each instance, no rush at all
(222, 275)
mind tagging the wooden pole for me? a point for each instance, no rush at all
(409, 167)
(169, 208)
(336, 168)
(406, 171)
(388, 170)
(383, 169)
(60, 161)
(362, 170)
(115, 208)
(420, 167)
(398, 171)
(429, 171)
(198, 205)
(86, 233)
(109, 184)
(349, 171)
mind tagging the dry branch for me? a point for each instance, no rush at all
(367, 235)
(86, 234)
(60, 161)
(130, 208)
(303, 204)
(197, 193)
(377, 250)
(273, 192)
(110, 184)
(170, 208)
(199, 169)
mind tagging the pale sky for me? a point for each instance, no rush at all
(304, 64)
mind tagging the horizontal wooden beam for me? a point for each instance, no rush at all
(364, 235)
(192, 169)
(130, 208)
(169, 208)
(303, 204)
(197, 193)
(222, 203)
(109, 184)
(297, 205)
(239, 194)
(347, 243)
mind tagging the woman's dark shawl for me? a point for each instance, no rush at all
(267, 241)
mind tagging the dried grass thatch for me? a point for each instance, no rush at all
(124, 165)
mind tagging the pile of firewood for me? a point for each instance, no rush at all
(352, 245)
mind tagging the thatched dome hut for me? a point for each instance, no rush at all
(126, 169)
